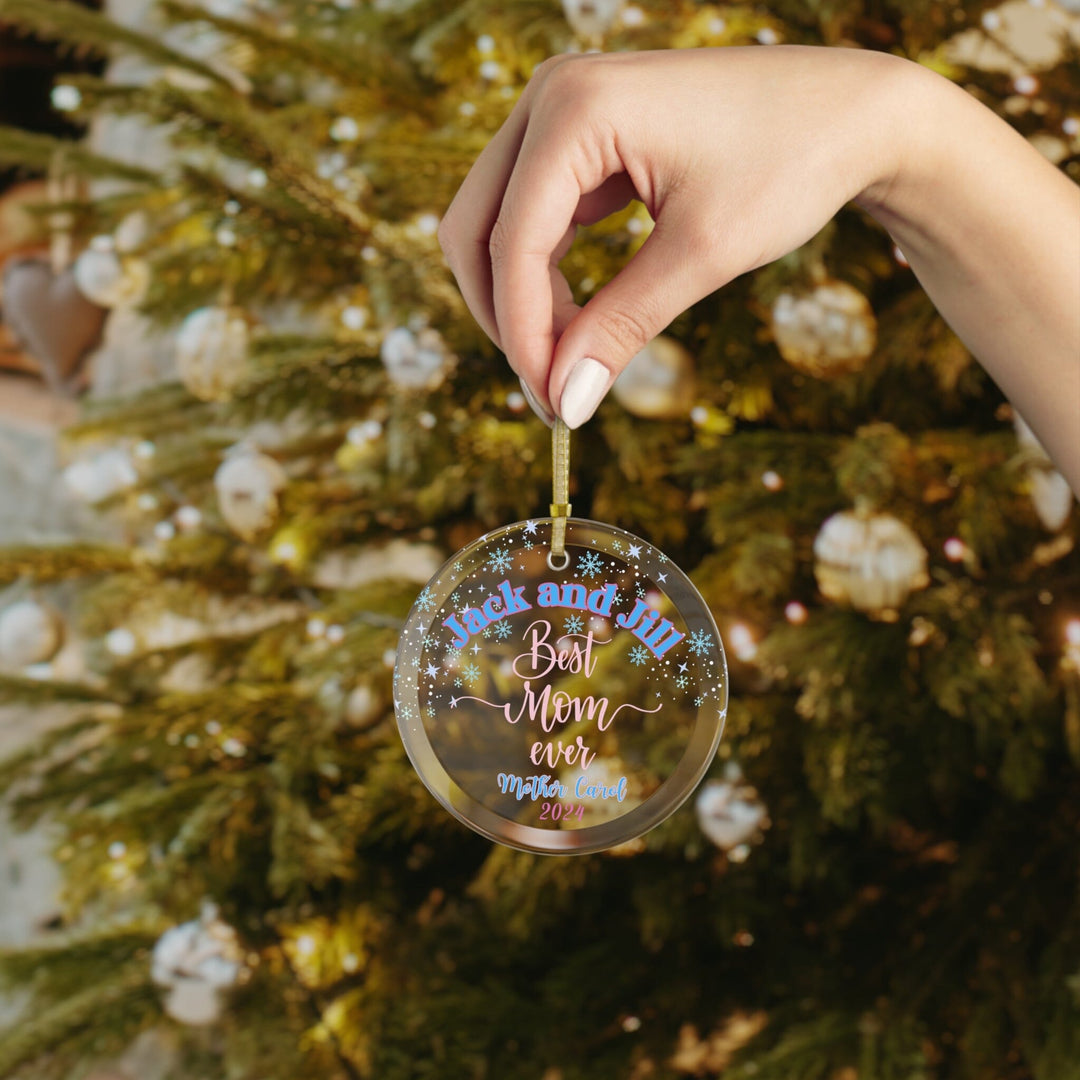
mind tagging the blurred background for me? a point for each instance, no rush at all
(244, 416)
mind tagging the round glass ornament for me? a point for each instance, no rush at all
(560, 705)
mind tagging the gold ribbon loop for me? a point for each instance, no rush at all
(560, 494)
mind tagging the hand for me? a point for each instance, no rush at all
(739, 154)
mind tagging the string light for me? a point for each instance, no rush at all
(742, 641)
(1072, 644)
(795, 613)
(772, 480)
(955, 549)
(188, 517)
(354, 317)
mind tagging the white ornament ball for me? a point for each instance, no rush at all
(1050, 492)
(211, 351)
(871, 562)
(30, 633)
(121, 642)
(658, 383)
(109, 280)
(1051, 496)
(196, 962)
(592, 18)
(247, 485)
(829, 331)
(363, 707)
(414, 361)
(729, 812)
(101, 476)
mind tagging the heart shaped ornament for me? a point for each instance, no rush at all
(51, 318)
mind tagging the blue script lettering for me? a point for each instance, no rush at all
(533, 787)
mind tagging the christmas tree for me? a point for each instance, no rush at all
(878, 878)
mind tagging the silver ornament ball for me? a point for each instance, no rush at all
(870, 561)
(30, 633)
(658, 383)
(212, 350)
(247, 485)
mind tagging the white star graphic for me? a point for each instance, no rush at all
(530, 528)
(476, 648)
(453, 703)
(661, 577)
(432, 671)
(635, 551)
(682, 667)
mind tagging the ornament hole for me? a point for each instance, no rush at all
(562, 565)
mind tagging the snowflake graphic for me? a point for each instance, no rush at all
(574, 624)
(502, 630)
(499, 561)
(699, 700)
(638, 655)
(528, 545)
(681, 682)
(616, 545)
(486, 632)
(640, 592)
(457, 682)
(425, 601)
(406, 712)
(700, 642)
(430, 710)
(430, 641)
(589, 564)
(452, 656)
(457, 567)
(471, 673)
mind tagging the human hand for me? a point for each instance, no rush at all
(739, 154)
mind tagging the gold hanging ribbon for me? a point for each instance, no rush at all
(560, 488)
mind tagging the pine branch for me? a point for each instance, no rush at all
(47, 691)
(121, 997)
(258, 137)
(46, 563)
(33, 151)
(369, 64)
(90, 31)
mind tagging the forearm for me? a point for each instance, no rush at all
(992, 231)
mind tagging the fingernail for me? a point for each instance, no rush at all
(583, 392)
(535, 405)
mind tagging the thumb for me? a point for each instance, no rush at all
(668, 274)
